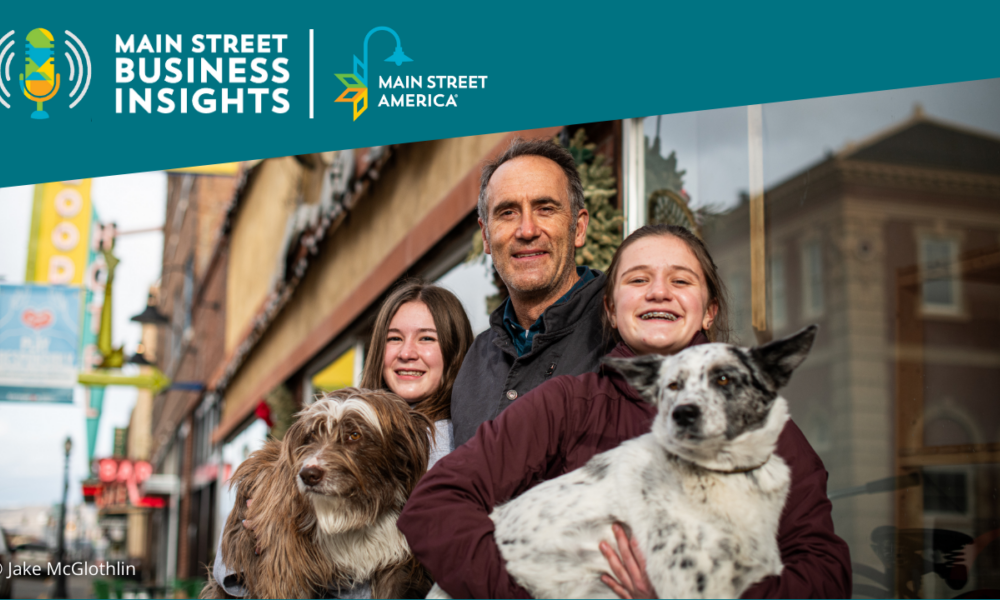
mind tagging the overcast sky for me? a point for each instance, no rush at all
(711, 146)
(31, 436)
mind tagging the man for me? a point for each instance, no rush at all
(533, 218)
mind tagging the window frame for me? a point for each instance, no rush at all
(954, 275)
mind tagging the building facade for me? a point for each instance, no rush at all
(890, 244)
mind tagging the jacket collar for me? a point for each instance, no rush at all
(559, 319)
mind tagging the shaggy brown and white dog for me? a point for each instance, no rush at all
(325, 503)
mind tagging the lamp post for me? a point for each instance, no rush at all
(60, 590)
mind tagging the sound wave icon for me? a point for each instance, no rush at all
(77, 60)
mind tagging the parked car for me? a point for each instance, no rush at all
(6, 558)
(34, 555)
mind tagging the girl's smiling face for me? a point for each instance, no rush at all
(413, 362)
(660, 296)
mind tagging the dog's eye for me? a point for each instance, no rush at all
(673, 385)
(722, 380)
(308, 439)
(354, 436)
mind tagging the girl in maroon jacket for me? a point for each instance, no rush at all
(663, 295)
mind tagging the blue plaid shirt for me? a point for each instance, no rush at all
(523, 338)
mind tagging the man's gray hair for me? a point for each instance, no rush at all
(537, 147)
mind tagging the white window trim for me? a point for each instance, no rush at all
(634, 173)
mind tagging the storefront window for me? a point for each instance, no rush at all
(472, 283)
(344, 371)
(881, 223)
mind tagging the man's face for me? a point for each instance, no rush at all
(529, 231)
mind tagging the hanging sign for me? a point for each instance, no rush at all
(39, 342)
(58, 243)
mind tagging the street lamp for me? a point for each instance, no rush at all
(60, 591)
(150, 315)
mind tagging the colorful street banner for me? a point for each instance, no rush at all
(58, 243)
(133, 88)
(39, 342)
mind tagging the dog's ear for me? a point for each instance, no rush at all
(415, 450)
(406, 436)
(293, 439)
(779, 358)
(641, 372)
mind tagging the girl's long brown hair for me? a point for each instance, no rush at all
(454, 336)
(719, 331)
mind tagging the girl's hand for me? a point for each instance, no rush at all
(630, 579)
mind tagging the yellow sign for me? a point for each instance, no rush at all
(219, 169)
(60, 233)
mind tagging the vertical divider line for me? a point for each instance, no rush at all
(312, 89)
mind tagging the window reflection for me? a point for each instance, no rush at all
(779, 299)
(812, 279)
(883, 226)
(940, 284)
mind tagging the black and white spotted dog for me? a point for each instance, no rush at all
(702, 492)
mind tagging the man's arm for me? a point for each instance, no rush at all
(446, 520)
(817, 562)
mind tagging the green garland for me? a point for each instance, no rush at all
(283, 408)
(604, 234)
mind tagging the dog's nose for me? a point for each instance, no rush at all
(311, 475)
(686, 414)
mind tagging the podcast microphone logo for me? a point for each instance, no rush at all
(40, 82)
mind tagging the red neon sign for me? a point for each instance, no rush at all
(111, 471)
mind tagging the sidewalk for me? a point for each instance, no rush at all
(78, 586)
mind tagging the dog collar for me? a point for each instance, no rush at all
(722, 471)
(739, 470)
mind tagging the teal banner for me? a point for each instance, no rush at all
(92, 90)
